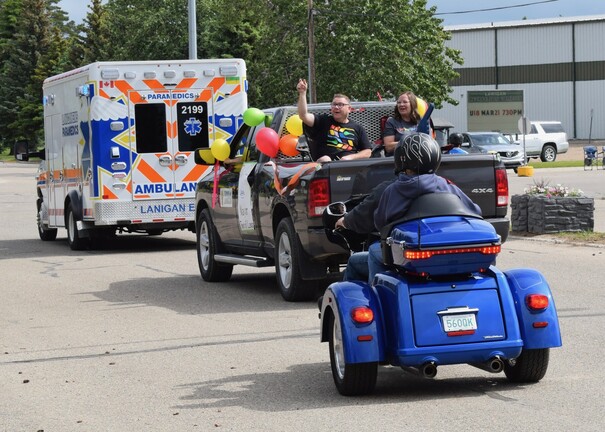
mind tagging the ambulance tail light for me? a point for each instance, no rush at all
(318, 197)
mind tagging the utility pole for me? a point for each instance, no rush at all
(192, 31)
(312, 91)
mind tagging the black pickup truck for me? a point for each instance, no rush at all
(267, 211)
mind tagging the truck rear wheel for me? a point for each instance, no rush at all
(530, 366)
(73, 237)
(207, 247)
(350, 379)
(288, 264)
(45, 233)
(549, 153)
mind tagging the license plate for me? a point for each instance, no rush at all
(459, 322)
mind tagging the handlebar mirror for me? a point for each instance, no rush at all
(338, 209)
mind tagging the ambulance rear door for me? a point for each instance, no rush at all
(168, 126)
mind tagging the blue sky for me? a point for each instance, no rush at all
(532, 9)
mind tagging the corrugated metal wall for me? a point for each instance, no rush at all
(559, 64)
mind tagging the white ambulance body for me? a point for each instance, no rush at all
(119, 143)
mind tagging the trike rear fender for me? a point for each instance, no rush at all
(539, 329)
(363, 343)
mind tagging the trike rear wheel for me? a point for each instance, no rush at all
(529, 367)
(350, 379)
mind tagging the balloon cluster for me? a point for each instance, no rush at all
(268, 141)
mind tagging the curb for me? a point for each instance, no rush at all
(552, 240)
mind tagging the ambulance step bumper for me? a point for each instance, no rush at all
(243, 260)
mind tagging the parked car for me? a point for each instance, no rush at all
(494, 142)
(544, 140)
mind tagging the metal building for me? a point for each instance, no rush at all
(558, 63)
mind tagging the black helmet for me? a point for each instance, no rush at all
(417, 152)
(456, 139)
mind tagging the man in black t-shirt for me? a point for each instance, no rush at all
(336, 135)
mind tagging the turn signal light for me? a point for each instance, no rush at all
(425, 254)
(536, 301)
(362, 315)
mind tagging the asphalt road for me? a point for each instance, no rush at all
(129, 338)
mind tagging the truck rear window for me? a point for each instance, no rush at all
(552, 127)
(150, 127)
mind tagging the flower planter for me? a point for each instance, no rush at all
(539, 214)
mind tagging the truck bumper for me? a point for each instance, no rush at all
(502, 227)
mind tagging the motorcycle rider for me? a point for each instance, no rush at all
(456, 140)
(417, 157)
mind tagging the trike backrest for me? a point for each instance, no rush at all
(431, 205)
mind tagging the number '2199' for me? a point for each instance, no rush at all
(192, 109)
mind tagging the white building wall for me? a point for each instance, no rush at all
(590, 41)
(534, 45)
(478, 47)
(538, 42)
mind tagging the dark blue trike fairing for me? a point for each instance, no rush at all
(443, 302)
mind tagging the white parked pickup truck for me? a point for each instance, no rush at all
(545, 140)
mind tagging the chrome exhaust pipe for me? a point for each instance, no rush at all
(427, 370)
(493, 365)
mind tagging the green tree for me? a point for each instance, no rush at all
(96, 34)
(364, 49)
(147, 29)
(20, 83)
(89, 42)
(269, 35)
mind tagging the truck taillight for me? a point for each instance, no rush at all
(319, 197)
(501, 187)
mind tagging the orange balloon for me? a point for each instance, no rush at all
(287, 145)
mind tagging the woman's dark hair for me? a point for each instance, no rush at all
(413, 104)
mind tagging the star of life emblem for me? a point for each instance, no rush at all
(193, 126)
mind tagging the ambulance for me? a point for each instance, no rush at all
(120, 140)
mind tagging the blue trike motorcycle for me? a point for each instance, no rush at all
(443, 302)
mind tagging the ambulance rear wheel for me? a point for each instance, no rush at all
(207, 247)
(73, 238)
(45, 233)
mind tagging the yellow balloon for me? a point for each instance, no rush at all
(220, 149)
(206, 155)
(294, 125)
(421, 106)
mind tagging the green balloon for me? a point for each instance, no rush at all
(253, 117)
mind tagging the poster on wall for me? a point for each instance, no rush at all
(494, 110)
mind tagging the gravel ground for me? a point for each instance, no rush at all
(576, 150)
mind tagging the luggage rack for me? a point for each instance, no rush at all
(593, 158)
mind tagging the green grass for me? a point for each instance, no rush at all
(5, 157)
(556, 164)
(583, 237)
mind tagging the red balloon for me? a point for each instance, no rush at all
(287, 145)
(267, 141)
